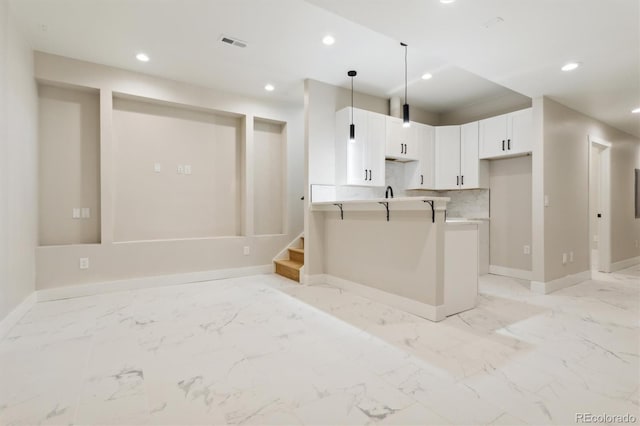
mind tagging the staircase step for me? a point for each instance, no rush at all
(296, 254)
(302, 239)
(288, 268)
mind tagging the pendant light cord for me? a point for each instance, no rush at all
(405, 73)
(351, 100)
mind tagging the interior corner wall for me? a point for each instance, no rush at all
(58, 266)
(566, 183)
(18, 165)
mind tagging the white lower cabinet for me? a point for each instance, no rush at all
(360, 161)
(421, 174)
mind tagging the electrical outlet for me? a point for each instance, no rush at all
(157, 167)
(75, 213)
(180, 169)
(246, 250)
(564, 258)
(84, 263)
(527, 249)
(187, 169)
(86, 213)
(570, 256)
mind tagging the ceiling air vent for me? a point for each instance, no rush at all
(233, 41)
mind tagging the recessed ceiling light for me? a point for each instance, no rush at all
(142, 57)
(426, 76)
(447, 1)
(570, 66)
(269, 88)
(636, 111)
(328, 40)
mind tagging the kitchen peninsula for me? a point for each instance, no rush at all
(400, 251)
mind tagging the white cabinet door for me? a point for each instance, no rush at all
(447, 157)
(420, 174)
(357, 172)
(375, 147)
(400, 140)
(507, 135)
(520, 131)
(469, 161)
(493, 137)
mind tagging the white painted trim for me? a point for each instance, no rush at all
(564, 282)
(424, 310)
(149, 282)
(624, 264)
(16, 314)
(284, 253)
(511, 272)
(604, 224)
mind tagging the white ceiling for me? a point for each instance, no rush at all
(523, 53)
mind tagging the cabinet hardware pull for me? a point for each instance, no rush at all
(405, 148)
(462, 180)
(365, 175)
(503, 144)
(509, 144)
(370, 175)
(401, 148)
(421, 180)
(457, 180)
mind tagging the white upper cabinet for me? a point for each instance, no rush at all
(506, 135)
(457, 162)
(474, 173)
(447, 157)
(360, 161)
(421, 174)
(400, 144)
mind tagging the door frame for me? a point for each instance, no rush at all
(604, 223)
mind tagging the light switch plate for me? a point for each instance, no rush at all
(187, 169)
(86, 213)
(84, 263)
(75, 213)
(180, 169)
(157, 167)
(246, 250)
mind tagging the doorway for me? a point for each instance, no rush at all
(600, 204)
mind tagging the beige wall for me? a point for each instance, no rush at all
(153, 205)
(69, 165)
(510, 207)
(269, 162)
(566, 182)
(18, 165)
(109, 260)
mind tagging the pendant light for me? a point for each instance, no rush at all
(405, 107)
(352, 127)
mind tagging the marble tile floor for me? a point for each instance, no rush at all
(265, 350)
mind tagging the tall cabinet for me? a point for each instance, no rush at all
(360, 161)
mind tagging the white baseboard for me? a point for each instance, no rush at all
(424, 310)
(511, 272)
(313, 279)
(624, 264)
(560, 283)
(149, 282)
(16, 314)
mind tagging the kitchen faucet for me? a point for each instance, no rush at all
(388, 191)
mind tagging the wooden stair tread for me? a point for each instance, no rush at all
(289, 263)
(297, 250)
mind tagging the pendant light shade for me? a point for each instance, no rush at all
(405, 107)
(352, 127)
